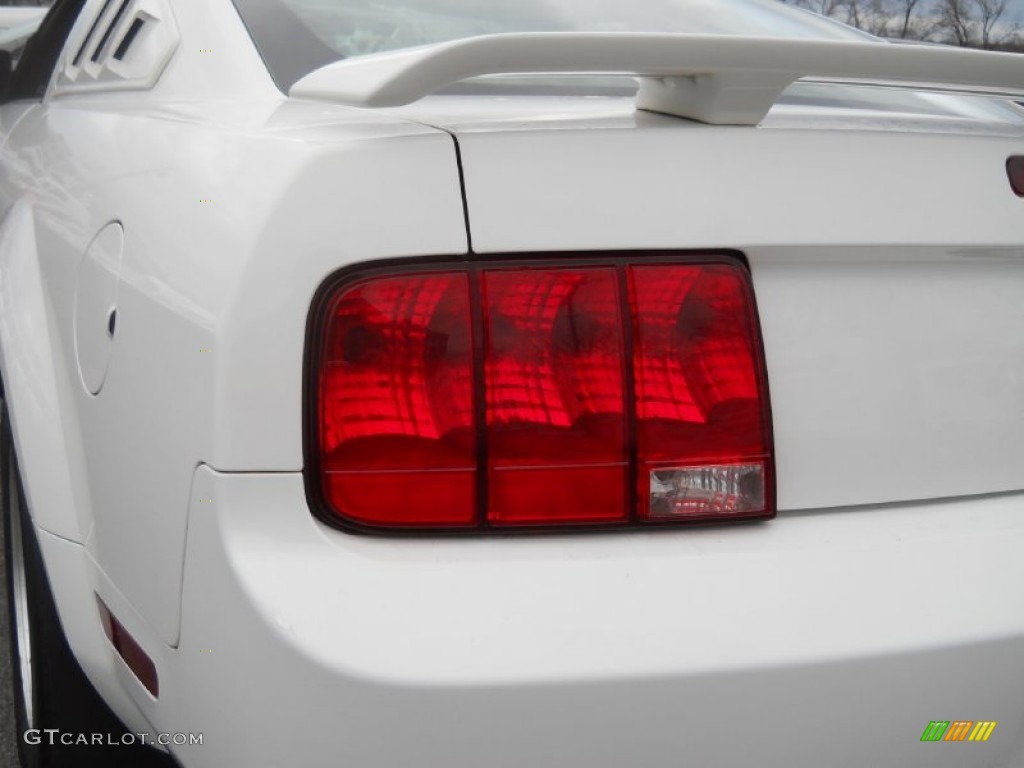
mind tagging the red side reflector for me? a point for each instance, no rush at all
(129, 650)
(1015, 171)
(537, 394)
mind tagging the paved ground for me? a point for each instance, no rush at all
(8, 750)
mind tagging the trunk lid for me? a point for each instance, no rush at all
(887, 252)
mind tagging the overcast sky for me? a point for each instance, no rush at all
(1015, 12)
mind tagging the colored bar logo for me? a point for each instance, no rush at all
(958, 730)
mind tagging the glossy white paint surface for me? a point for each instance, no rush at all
(75, 580)
(178, 390)
(888, 258)
(895, 367)
(141, 522)
(96, 305)
(191, 356)
(38, 389)
(824, 639)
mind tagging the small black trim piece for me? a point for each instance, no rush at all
(42, 51)
(92, 31)
(316, 323)
(129, 38)
(101, 48)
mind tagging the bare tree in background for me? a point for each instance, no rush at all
(879, 17)
(968, 23)
(824, 7)
(976, 23)
(955, 20)
(990, 14)
(911, 24)
(869, 16)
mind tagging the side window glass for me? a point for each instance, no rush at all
(42, 51)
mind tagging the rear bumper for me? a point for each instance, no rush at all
(830, 638)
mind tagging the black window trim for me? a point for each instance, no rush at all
(39, 61)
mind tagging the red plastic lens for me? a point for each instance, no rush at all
(128, 648)
(1015, 171)
(533, 395)
(397, 437)
(554, 378)
(700, 403)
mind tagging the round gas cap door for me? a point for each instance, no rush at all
(96, 305)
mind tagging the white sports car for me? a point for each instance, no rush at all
(550, 383)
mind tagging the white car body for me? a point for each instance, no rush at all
(887, 255)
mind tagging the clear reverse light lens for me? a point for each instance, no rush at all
(685, 492)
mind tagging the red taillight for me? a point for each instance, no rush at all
(534, 395)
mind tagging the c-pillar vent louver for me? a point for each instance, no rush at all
(126, 44)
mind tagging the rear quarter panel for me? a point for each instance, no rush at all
(231, 220)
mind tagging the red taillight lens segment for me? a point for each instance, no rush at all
(701, 404)
(556, 442)
(529, 395)
(397, 436)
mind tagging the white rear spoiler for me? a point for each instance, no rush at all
(719, 79)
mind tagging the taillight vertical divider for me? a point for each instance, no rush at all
(628, 387)
(478, 329)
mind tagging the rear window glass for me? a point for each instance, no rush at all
(297, 36)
